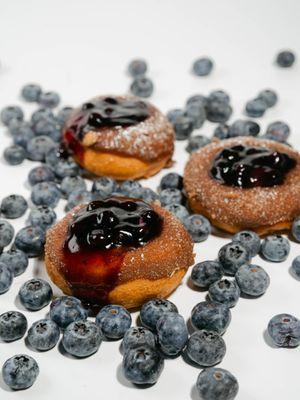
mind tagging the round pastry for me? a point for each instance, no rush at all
(245, 183)
(122, 137)
(118, 250)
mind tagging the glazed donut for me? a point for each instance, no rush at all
(245, 183)
(121, 137)
(120, 251)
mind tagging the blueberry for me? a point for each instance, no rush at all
(78, 197)
(67, 309)
(142, 87)
(13, 326)
(137, 67)
(21, 131)
(218, 111)
(38, 147)
(250, 240)
(130, 188)
(284, 330)
(20, 372)
(41, 113)
(183, 127)
(65, 168)
(196, 113)
(170, 196)
(172, 115)
(113, 321)
(172, 333)
(242, 127)
(49, 127)
(39, 174)
(255, 108)
(49, 99)
(64, 114)
(153, 310)
(275, 248)
(148, 195)
(35, 294)
(42, 216)
(142, 365)
(225, 292)
(219, 95)
(82, 338)
(252, 280)
(43, 335)
(197, 99)
(269, 96)
(6, 233)
(16, 260)
(211, 316)
(6, 277)
(197, 142)
(31, 240)
(295, 266)
(203, 66)
(206, 348)
(11, 112)
(31, 92)
(137, 336)
(222, 131)
(198, 227)
(296, 229)
(45, 194)
(13, 206)
(278, 131)
(104, 186)
(14, 155)
(217, 384)
(285, 59)
(232, 255)
(171, 181)
(71, 183)
(206, 273)
(178, 210)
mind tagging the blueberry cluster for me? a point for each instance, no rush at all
(141, 86)
(257, 107)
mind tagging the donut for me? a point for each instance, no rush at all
(119, 251)
(121, 137)
(245, 183)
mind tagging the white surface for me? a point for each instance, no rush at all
(81, 49)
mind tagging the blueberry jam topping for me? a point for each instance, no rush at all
(249, 167)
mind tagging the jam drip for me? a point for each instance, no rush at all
(249, 167)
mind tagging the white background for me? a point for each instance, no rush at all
(81, 49)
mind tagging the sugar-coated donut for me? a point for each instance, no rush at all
(259, 205)
(119, 136)
(152, 264)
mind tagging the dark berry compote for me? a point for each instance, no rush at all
(99, 236)
(248, 167)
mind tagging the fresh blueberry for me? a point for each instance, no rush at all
(153, 310)
(218, 111)
(31, 92)
(171, 181)
(142, 87)
(49, 127)
(197, 142)
(45, 194)
(21, 131)
(82, 338)
(14, 155)
(196, 113)
(71, 183)
(35, 294)
(142, 365)
(172, 115)
(275, 248)
(137, 336)
(295, 266)
(137, 67)
(16, 260)
(67, 309)
(225, 292)
(255, 108)
(6, 277)
(242, 127)
(296, 229)
(148, 195)
(78, 197)
(183, 127)
(232, 255)
(41, 113)
(285, 59)
(203, 66)
(11, 112)
(178, 210)
(170, 196)
(43, 335)
(113, 321)
(206, 348)
(13, 326)
(252, 280)
(250, 240)
(284, 330)
(42, 216)
(38, 147)
(198, 227)
(104, 187)
(39, 174)
(6, 233)
(211, 316)
(64, 114)
(20, 372)
(222, 131)
(49, 99)
(278, 131)
(65, 167)
(130, 188)
(197, 99)
(13, 206)
(217, 384)
(219, 95)
(206, 273)
(31, 240)
(269, 96)
(172, 333)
